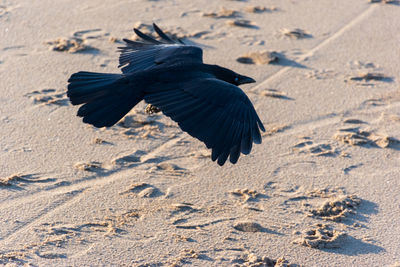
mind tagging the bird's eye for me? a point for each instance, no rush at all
(236, 79)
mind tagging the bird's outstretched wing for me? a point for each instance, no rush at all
(151, 52)
(216, 112)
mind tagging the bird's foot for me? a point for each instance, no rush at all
(150, 109)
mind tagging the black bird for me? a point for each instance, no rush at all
(203, 99)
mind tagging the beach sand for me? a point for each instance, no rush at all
(321, 190)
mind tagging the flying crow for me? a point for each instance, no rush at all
(203, 99)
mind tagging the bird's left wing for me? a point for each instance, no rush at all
(215, 112)
(151, 52)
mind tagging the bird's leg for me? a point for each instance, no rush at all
(150, 109)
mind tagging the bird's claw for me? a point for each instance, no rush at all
(150, 109)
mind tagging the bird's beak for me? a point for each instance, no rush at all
(245, 79)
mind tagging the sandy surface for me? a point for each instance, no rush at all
(322, 189)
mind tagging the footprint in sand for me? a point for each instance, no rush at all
(53, 238)
(354, 121)
(92, 166)
(251, 259)
(330, 204)
(295, 33)
(260, 9)
(347, 170)
(100, 141)
(249, 227)
(322, 236)
(185, 208)
(169, 168)
(182, 238)
(78, 42)
(374, 102)
(184, 258)
(138, 126)
(13, 258)
(47, 97)
(126, 161)
(22, 179)
(337, 208)
(365, 78)
(247, 194)
(222, 13)
(356, 136)
(307, 146)
(70, 45)
(291, 193)
(258, 58)
(145, 132)
(143, 190)
(367, 74)
(242, 23)
(326, 204)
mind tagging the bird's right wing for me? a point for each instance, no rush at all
(151, 52)
(215, 112)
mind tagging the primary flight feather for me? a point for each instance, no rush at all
(203, 99)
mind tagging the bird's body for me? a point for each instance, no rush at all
(203, 99)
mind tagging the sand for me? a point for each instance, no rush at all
(321, 190)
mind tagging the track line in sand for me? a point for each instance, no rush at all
(68, 193)
(47, 210)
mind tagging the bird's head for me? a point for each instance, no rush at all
(230, 76)
(241, 79)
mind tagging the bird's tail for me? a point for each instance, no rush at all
(106, 97)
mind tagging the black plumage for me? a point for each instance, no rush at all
(203, 99)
